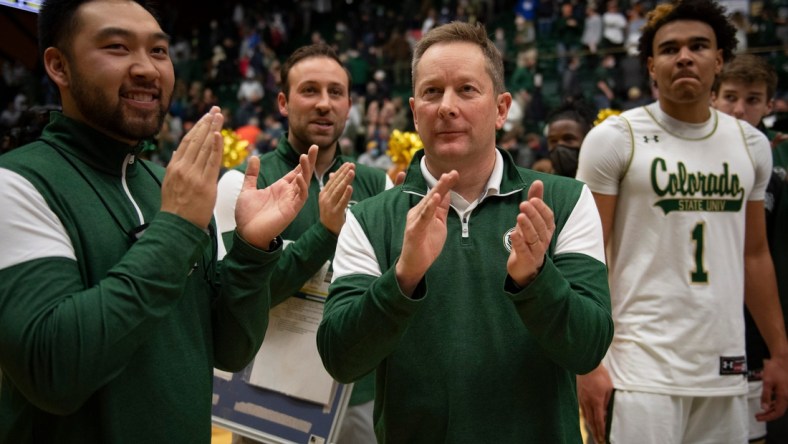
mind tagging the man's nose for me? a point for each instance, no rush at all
(324, 102)
(684, 56)
(738, 109)
(448, 105)
(143, 66)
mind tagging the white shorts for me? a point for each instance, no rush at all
(649, 418)
(757, 428)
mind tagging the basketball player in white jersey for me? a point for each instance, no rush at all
(680, 188)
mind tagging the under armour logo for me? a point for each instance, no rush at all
(655, 138)
(733, 365)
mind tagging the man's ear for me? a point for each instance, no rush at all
(504, 103)
(650, 68)
(56, 66)
(720, 62)
(281, 101)
(412, 103)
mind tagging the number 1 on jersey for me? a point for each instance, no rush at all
(699, 274)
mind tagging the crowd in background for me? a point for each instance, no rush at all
(554, 51)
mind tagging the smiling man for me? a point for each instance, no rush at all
(315, 98)
(680, 190)
(477, 289)
(113, 308)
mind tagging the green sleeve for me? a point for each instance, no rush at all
(241, 309)
(300, 261)
(573, 322)
(49, 321)
(363, 321)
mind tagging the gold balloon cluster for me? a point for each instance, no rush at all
(402, 147)
(235, 151)
(604, 114)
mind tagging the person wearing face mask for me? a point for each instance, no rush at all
(567, 126)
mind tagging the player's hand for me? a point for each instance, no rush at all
(774, 397)
(593, 392)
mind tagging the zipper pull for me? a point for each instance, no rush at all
(131, 159)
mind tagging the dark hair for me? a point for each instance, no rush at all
(307, 52)
(464, 32)
(57, 22)
(749, 69)
(706, 11)
(575, 110)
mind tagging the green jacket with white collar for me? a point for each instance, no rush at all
(470, 357)
(309, 243)
(104, 338)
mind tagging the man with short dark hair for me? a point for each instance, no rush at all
(680, 190)
(114, 309)
(315, 98)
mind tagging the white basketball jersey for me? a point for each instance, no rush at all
(677, 247)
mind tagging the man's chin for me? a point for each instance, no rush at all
(322, 142)
(139, 130)
(143, 127)
(687, 90)
(453, 147)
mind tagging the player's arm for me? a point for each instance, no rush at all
(604, 159)
(606, 204)
(594, 389)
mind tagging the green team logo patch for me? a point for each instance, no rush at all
(683, 190)
(507, 239)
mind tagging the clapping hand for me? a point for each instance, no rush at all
(531, 237)
(425, 234)
(335, 196)
(189, 187)
(261, 214)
